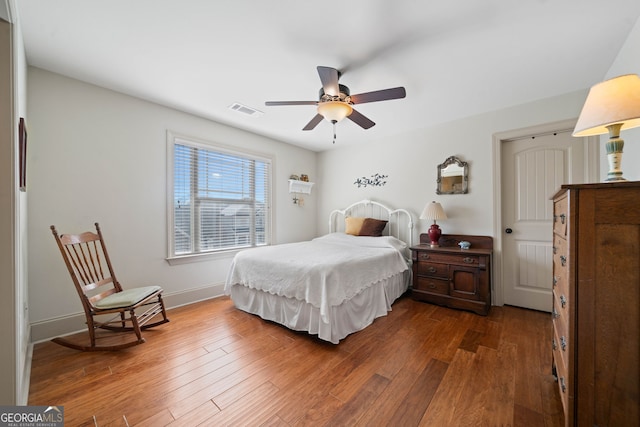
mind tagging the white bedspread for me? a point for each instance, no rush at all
(323, 272)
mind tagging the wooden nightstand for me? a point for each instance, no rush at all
(453, 277)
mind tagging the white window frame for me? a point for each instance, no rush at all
(175, 138)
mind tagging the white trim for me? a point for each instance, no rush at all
(591, 170)
(207, 256)
(45, 330)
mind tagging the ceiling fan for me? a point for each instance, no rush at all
(335, 101)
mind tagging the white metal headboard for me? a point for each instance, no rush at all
(400, 223)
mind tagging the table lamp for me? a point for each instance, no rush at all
(433, 211)
(611, 106)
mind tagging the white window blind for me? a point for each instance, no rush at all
(220, 199)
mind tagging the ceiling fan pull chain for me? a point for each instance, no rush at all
(334, 132)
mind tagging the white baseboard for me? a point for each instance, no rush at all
(70, 324)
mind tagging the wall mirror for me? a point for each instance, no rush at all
(453, 177)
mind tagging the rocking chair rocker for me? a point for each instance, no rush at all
(88, 263)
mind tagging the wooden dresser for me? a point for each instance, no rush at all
(454, 277)
(596, 302)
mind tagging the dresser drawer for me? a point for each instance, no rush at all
(427, 284)
(561, 374)
(432, 269)
(560, 283)
(560, 265)
(560, 216)
(559, 246)
(561, 305)
(560, 315)
(560, 251)
(561, 302)
(561, 341)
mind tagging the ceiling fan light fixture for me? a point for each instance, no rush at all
(334, 111)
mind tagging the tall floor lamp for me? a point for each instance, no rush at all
(611, 106)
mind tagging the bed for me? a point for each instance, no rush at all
(333, 285)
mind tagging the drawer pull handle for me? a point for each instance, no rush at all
(555, 280)
(563, 343)
(554, 345)
(555, 314)
(562, 217)
(425, 256)
(432, 286)
(555, 250)
(431, 269)
(563, 301)
(468, 260)
(563, 260)
(563, 385)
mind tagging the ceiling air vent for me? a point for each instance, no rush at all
(245, 110)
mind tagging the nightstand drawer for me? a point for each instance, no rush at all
(436, 286)
(433, 269)
(459, 258)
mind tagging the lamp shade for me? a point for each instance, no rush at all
(334, 111)
(433, 211)
(616, 100)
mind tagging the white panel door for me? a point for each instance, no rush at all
(533, 169)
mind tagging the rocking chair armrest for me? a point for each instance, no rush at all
(127, 298)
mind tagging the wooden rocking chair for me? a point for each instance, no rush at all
(88, 263)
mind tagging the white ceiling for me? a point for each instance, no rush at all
(455, 58)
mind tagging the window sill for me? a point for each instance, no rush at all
(209, 256)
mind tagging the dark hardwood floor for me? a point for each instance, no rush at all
(214, 365)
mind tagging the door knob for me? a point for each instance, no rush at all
(508, 231)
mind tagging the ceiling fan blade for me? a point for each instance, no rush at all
(275, 103)
(379, 95)
(313, 123)
(360, 120)
(329, 78)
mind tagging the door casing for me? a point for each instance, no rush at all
(591, 170)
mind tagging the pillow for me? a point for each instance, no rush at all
(352, 225)
(372, 227)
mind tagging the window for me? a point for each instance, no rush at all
(220, 199)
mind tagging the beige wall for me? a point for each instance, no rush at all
(410, 160)
(99, 155)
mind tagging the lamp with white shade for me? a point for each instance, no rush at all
(611, 106)
(435, 212)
